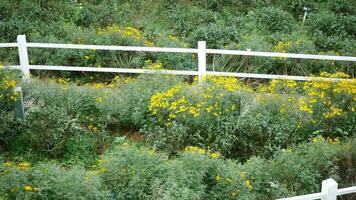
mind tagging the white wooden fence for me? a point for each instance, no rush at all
(329, 189)
(202, 52)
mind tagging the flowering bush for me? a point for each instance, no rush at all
(192, 110)
(241, 121)
(8, 82)
(329, 106)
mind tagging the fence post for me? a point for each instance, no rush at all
(23, 56)
(201, 60)
(19, 107)
(329, 189)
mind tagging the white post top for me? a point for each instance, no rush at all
(329, 189)
(21, 38)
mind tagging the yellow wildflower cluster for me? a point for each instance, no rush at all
(99, 100)
(62, 81)
(280, 86)
(319, 139)
(334, 75)
(153, 66)
(93, 128)
(161, 99)
(334, 111)
(184, 101)
(7, 89)
(246, 183)
(129, 32)
(327, 98)
(197, 150)
(28, 188)
(282, 47)
(24, 165)
(194, 149)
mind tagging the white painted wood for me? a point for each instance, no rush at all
(3, 45)
(117, 48)
(271, 76)
(13, 66)
(329, 189)
(329, 192)
(281, 55)
(346, 190)
(113, 70)
(22, 49)
(201, 60)
(201, 51)
(177, 72)
(305, 197)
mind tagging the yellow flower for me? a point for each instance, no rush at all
(234, 193)
(93, 128)
(335, 111)
(62, 81)
(303, 106)
(214, 155)
(318, 139)
(28, 188)
(217, 178)
(8, 164)
(248, 184)
(24, 165)
(193, 149)
(99, 99)
(333, 140)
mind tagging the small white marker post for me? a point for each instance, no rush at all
(201, 60)
(23, 56)
(329, 189)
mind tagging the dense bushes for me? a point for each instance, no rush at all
(256, 25)
(129, 171)
(48, 181)
(223, 114)
(227, 115)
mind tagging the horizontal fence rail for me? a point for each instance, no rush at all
(202, 52)
(329, 191)
(8, 45)
(280, 55)
(115, 48)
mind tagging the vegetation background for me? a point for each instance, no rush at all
(110, 136)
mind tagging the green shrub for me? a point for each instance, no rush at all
(271, 19)
(48, 181)
(129, 172)
(47, 130)
(134, 172)
(81, 149)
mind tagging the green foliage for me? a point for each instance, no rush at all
(328, 29)
(271, 19)
(134, 172)
(48, 129)
(48, 181)
(129, 106)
